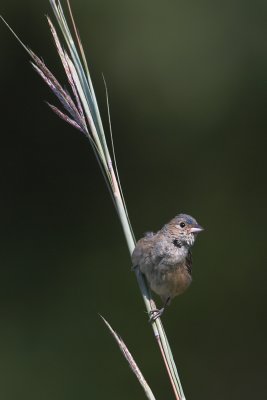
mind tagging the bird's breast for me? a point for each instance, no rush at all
(169, 282)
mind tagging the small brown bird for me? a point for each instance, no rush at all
(165, 258)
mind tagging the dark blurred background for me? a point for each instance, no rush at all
(187, 84)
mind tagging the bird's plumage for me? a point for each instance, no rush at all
(165, 257)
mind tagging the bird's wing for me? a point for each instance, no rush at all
(189, 262)
(141, 254)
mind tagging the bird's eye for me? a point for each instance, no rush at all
(182, 224)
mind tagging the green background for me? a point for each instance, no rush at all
(187, 84)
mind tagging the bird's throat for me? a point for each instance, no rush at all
(177, 243)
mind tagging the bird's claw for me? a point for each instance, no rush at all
(154, 314)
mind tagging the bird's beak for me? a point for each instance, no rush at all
(197, 228)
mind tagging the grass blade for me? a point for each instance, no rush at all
(132, 364)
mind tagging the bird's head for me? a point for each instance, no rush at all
(185, 229)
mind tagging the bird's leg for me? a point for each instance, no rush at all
(168, 301)
(155, 312)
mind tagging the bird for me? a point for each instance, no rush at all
(165, 258)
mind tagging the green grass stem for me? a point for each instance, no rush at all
(82, 112)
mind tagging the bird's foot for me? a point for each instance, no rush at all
(154, 314)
